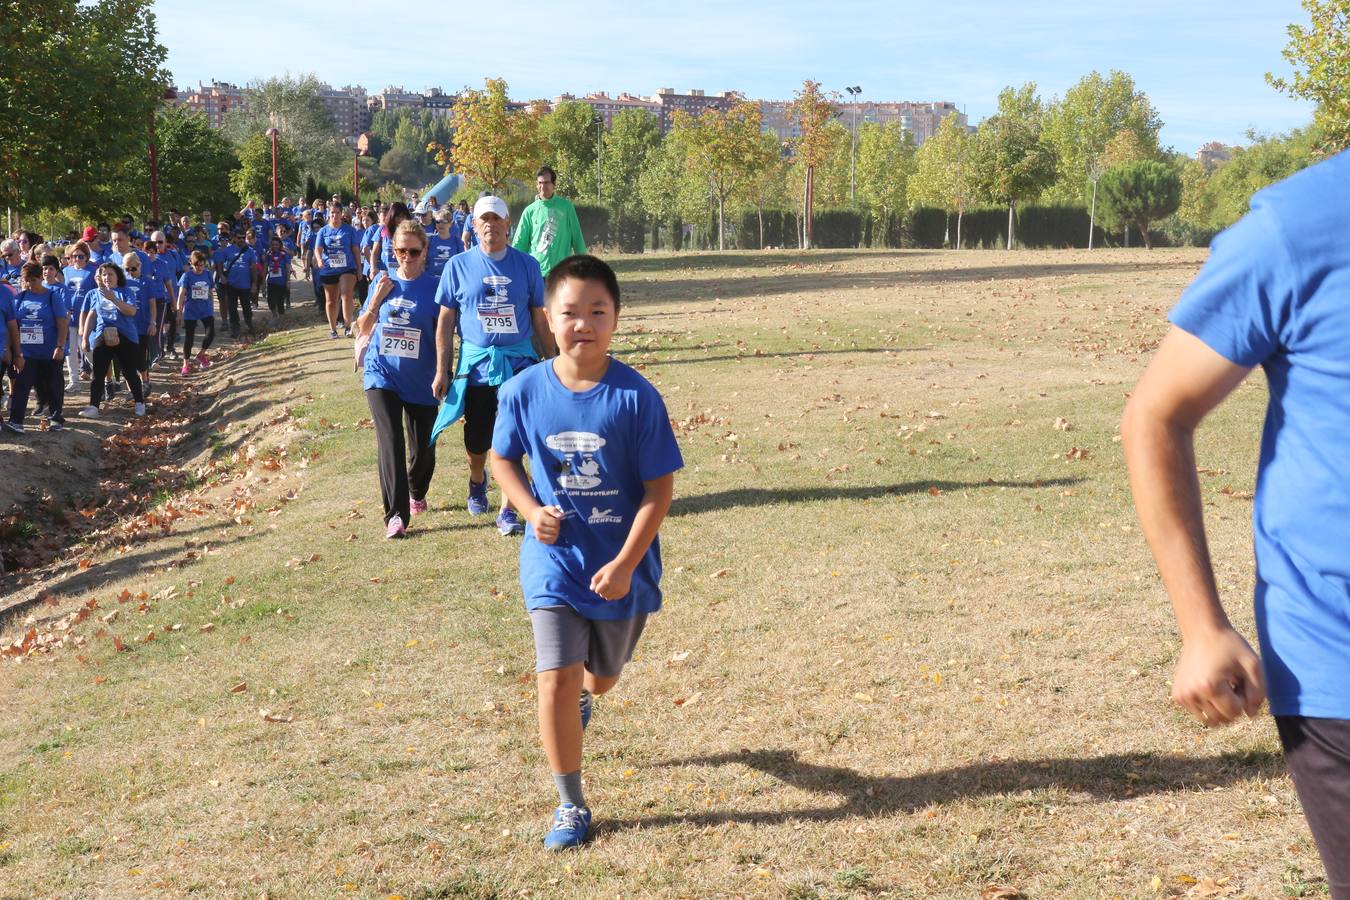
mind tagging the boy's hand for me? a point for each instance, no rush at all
(547, 522)
(1218, 678)
(613, 581)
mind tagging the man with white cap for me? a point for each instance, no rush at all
(493, 297)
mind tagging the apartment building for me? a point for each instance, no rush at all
(921, 120)
(213, 100)
(608, 107)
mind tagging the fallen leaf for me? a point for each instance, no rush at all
(229, 579)
(239, 688)
(720, 573)
(690, 700)
(1076, 453)
(268, 716)
(933, 491)
(1062, 424)
(1001, 892)
(118, 645)
(207, 628)
(85, 563)
(679, 656)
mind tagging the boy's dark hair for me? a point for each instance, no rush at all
(583, 267)
(547, 170)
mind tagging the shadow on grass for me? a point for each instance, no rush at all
(1117, 776)
(626, 265)
(740, 497)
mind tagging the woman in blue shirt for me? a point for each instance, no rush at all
(400, 363)
(111, 316)
(337, 250)
(194, 305)
(79, 277)
(141, 295)
(43, 321)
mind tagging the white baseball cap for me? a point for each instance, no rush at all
(491, 204)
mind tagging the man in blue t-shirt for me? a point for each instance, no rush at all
(493, 297)
(1272, 294)
(237, 270)
(603, 459)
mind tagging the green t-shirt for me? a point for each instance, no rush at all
(550, 232)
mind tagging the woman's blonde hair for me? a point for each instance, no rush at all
(412, 228)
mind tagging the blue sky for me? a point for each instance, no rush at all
(1201, 62)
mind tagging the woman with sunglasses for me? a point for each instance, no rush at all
(43, 323)
(140, 274)
(110, 322)
(194, 306)
(79, 276)
(382, 247)
(401, 319)
(336, 252)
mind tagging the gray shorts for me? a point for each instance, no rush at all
(563, 637)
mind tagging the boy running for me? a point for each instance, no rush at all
(603, 458)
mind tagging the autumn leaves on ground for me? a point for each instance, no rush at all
(913, 644)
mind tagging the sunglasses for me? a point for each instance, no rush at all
(410, 252)
(79, 256)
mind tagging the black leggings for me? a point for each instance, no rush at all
(405, 466)
(190, 331)
(128, 355)
(1318, 754)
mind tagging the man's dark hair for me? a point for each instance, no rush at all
(547, 170)
(50, 260)
(103, 226)
(583, 267)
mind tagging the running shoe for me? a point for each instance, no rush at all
(15, 427)
(478, 502)
(56, 425)
(186, 370)
(333, 334)
(395, 528)
(587, 704)
(89, 412)
(346, 331)
(508, 523)
(203, 361)
(417, 508)
(571, 825)
(140, 409)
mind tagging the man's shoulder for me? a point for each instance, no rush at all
(1315, 196)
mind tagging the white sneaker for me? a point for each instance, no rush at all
(140, 409)
(89, 412)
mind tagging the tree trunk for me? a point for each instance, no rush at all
(1148, 241)
(1127, 236)
(1010, 225)
(761, 227)
(959, 214)
(721, 224)
(806, 218)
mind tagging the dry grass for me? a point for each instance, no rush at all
(910, 648)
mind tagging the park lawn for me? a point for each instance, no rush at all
(913, 642)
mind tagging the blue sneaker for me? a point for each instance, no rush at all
(508, 523)
(478, 502)
(571, 825)
(587, 703)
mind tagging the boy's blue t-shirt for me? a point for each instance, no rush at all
(492, 299)
(590, 453)
(237, 265)
(197, 304)
(339, 248)
(402, 353)
(37, 314)
(439, 251)
(1274, 293)
(277, 265)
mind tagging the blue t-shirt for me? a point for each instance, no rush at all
(155, 272)
(197, 304)
(79, 281)
(368, 237)
(108, 314)
(590, 453)
(402, 354)
(439, 251)
(277, 265)
(137, 293)
(11, 275)
(1273, 293)
(492, 299)
(237, 266)
(339, 247)
(37, 314)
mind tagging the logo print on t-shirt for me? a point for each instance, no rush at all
(582, 474)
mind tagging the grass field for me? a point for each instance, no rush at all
(913, 643)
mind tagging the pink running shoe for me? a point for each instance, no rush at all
(186, 370)
(395, 529)
(203, 360)
(417, 507)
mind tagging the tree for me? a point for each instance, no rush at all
(195, 161)
(885, 162)
(79, 84)
(812, 112)
(1012, 164)
(253, 179)
(491, 142)
(943, 173)
(569, 131)
(721, 149)
(1138, 193)
(767, 185)
(293, 107)
(1320, 54)
(1092, 113)
(633, 137)
(668, 192)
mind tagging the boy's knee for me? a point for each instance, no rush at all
(560, 683)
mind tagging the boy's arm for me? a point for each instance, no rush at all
(510, 475)
(1217, 677)
(614, 580)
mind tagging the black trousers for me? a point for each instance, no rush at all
(48, 376)
(190, 331)
(405, 466)
(277, 295)
(235, 300)
(128, 355)
(1318, 754)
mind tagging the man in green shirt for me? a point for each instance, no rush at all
(549, 230)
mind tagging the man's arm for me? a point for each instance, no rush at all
(524, 232)
(445, 352)
(546, 345)
(578, 242)
(615, 578)
(1217, 677)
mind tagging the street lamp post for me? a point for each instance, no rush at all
(853, 92)
(599, 125)
(1095, 173)
(272, 133)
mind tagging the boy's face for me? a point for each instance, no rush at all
(582, 318)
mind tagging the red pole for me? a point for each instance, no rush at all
(356, 176)
(154, 172)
